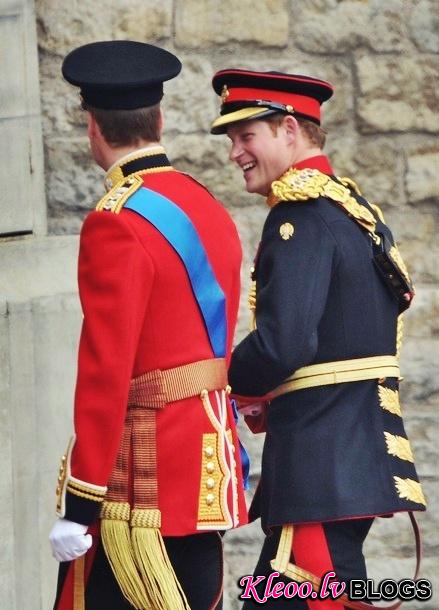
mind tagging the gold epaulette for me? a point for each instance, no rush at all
(115, 199)
(300, 185)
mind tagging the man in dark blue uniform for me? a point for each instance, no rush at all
(329, 287)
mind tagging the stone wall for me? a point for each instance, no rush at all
(382, 57)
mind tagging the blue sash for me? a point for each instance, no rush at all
(177, 228)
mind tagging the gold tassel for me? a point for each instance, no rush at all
(115, 534)
(161, 583)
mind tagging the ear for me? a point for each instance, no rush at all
(93, 130)
(291, 127)
(91, 123)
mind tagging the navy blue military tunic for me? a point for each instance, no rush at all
(320, 299)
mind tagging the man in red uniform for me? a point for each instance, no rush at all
(328, 289)
(153, 473)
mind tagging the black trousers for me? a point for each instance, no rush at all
(343, 540)
(196, 559)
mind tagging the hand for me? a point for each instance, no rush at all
(69, 540)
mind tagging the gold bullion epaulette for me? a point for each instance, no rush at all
(115, 199)
(301, 185)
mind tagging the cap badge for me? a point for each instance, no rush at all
(286, 230)
(224, 94)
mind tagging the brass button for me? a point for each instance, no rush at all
(381, 380)
(209, 452)
(210, 467)
(58, 490)
(210, 483)
(210, 499)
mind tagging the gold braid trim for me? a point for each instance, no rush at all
(294, 572)
(399, 447)
(251, 300)
(115, 199)
(301, 185)
(92, 490)
(283, 555)
(389, 400)
(82, 494)
(116, 511)
(399, 334)
(150, 517)
(408, 489)
(396, 255)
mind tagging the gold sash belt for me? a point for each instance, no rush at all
(156, 388)
(342, 371)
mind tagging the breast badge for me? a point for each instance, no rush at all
(286, 230)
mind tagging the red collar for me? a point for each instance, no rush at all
(320, 162)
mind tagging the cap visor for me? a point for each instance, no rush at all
(220, 124)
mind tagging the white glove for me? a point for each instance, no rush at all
(69, 540)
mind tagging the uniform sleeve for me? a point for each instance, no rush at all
(293, 278)
(115, 276)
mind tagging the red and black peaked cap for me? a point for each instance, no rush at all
(120, 74)
(249, 95)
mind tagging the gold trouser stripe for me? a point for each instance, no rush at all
(156, 388)
(283, 555)
(78, 583)
(300, 575)
(282, 562)
(342, 371)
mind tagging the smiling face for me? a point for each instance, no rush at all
(262, 151)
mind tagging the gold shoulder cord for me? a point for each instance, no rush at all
(115, 199)
(301, 185)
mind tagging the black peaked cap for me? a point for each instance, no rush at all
(120, 74)
(247, 95)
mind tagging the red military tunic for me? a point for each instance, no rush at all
(140, 315)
